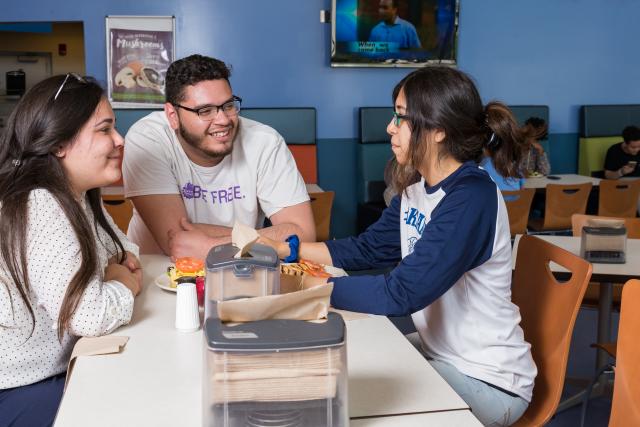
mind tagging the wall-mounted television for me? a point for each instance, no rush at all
(393, 33)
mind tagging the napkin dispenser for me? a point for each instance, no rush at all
(275, 372)
(604, 244)
(255, 274)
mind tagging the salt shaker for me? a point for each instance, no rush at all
(187, 316)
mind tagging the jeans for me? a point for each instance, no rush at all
(492, 407)
(33, 405)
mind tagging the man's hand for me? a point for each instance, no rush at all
(627, 169)
(190, 241)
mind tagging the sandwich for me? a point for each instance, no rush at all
(187, 268)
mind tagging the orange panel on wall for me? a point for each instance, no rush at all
(306, 160)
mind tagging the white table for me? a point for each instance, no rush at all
(156, 380)
(565, 179)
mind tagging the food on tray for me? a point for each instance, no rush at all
(535, 174)
(304, 267)
(185, 267)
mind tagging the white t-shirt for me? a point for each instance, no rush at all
(257, 179)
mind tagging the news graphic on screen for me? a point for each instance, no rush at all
(393, 33)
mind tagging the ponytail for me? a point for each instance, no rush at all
(506, 142)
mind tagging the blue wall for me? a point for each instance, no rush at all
(561, 53)
(556, 52)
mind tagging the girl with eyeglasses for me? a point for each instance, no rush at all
(446, 237)
(66, 270)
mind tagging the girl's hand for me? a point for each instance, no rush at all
(131, 262)
(122, 274)
(282, 248)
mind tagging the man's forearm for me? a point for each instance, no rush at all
(215, 231)
(275, 232)
(281, 231)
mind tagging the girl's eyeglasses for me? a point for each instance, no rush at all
(398, 118)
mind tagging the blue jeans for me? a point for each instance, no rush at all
(32, 405)
(491, 406)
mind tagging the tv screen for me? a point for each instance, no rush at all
(393, 33)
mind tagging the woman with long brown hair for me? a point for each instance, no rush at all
(66, 270)
(447, 236)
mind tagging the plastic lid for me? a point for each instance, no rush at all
(275, 334)
(605, 231)
(259, 255)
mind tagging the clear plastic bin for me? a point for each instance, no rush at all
(255, 275)
(275, 373)
(606, 245)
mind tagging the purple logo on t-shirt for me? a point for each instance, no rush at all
(219, 196)
(187, 191)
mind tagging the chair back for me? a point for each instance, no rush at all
(518, 206)
(619, 197)
(625, 407)
(562, 201)
(548, 309)
(120, 209)
(631, 224)
(321, 204)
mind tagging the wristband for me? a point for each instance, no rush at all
(294, 246)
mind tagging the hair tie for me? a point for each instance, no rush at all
(493, 142)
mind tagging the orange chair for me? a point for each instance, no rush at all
(625, 408)
(120, 209)
(518, 205)
(321, 204)
(619, 197)
(562, 201)
(548, 309)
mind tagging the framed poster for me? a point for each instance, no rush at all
(139, 52)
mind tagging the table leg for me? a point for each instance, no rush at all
(604, 322)
(604, 335)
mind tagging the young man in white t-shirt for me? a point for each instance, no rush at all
(197, 167)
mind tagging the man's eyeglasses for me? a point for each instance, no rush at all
(398, 118)
(207, 113)
(75, 76)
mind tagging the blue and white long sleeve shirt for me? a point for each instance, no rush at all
(452, 242)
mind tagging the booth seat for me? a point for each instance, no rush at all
(298, 128)
(599, 127)
(374, 150)
(592, 152)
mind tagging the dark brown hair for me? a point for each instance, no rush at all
(38, 126)
(631, 133)
(443, 98)
(191, 70)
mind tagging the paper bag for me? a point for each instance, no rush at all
(308, 304)
(93, 346)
